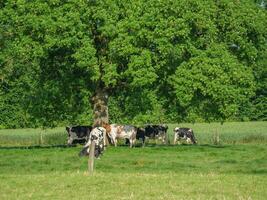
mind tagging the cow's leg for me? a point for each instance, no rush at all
(113, 139)
(104, 141)
(161, 139)
(143, 142)
(115, 142)
(164, 140)
(134, 140)
(174, 138)
(70, 140)
(193, 138)
(178, 140)
(188, 140)
(131, 142)
(110, 137)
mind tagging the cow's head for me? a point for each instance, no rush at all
(107, 127)
(98, 151)
(84, 151)
(140, 130)
(176, 129)
(177, 132)
(164, 127)
(68, 129)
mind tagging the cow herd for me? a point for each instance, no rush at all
(113, 132)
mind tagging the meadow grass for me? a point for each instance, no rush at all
(154, 172)
(35, 164)
(31, 137)
(228, 133)
(106, 186)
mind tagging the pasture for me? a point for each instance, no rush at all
(35, 164)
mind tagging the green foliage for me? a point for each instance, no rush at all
(159, 60)
(213, 84)
(139, 106)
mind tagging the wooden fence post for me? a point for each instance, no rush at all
(41, 138)
(91, 158)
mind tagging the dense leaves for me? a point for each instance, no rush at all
(159, 61)
(212, 84)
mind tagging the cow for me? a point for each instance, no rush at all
(140, 134)
(98, 135)
(78, 134)
(158, 132)
(115, 132)
(185, 134)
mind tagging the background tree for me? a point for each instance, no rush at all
(133, 62)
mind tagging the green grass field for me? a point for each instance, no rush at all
(236, 168)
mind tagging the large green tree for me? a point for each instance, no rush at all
(134, 62)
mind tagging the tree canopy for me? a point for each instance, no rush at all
(158, 61)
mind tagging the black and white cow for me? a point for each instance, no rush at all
(98, 135)
(185, 134)
(78, 134)
(140, 134)
(158, 132)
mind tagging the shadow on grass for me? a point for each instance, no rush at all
(214, 146)
(153, 145)
(188, 145)
(259, 172)
(38, 146)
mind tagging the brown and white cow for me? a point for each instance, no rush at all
(115, 132)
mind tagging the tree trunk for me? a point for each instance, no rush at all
(100, 107)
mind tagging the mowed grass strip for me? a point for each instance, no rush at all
(248, 159)
(156, 186)
(154, 172)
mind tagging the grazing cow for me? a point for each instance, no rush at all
(78, 134)
(98, 135)
(115, 132)
(140, 134)
(184, 133)
(157, 132)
